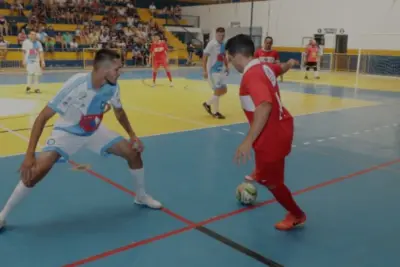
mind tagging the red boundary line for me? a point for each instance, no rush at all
(192, 225)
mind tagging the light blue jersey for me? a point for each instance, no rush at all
(81, 107)
(216, 56)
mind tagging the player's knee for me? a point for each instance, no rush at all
(36, 176)
(134, 159)
(220, 91)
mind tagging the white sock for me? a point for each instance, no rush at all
(29, 81)
(16, 197)
(212, 100)
(316, 74)
(138, 180)
(216, 105)
(36, 81)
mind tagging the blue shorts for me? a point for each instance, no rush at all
(217, 80)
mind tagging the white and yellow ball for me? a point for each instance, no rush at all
(246, 193)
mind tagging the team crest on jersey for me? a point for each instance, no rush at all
(90, 123)
(270, 74)
(221, 57)
(51, 142)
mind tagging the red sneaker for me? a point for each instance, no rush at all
(290, 222)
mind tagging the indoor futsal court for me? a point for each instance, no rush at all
(344, 170)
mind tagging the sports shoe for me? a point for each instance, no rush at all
(148, 201)
(290, 222)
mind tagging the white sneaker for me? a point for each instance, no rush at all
(171, 85)
(2, 224)
(153, 85)
(148, 201)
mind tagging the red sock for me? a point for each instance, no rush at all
(154, 76)
(169, 76)
(283, 195)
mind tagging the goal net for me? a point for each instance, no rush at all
(378, 60)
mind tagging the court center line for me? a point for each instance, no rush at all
(227, 215)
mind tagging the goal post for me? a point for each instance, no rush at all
(378, 57)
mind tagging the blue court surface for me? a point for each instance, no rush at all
(344, 170)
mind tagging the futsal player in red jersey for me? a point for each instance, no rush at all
(312, 57)
(159, 57)
(271, 124)
(267, 54)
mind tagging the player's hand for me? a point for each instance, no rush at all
(27, 166)
(293, 62)
(205, 75)
(137, 144)
(227, 71)
(243, 152)
(24, 63)
(43, 64)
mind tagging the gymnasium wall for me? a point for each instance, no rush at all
(288, 21)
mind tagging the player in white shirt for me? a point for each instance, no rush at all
(33, 60)
(81, 103)
(214, 60)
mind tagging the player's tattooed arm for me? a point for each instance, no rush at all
(124, 121)
(44, 116)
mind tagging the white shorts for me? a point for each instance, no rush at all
(217, 80)
(33, 68)
(67, 144)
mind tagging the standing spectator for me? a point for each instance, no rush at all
(3, 25)
(152, 9)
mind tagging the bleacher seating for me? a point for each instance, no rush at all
(16, 23)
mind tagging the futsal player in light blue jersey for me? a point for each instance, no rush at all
(215, 70)
(80, 104)
(33, 60)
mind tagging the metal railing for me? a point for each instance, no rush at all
(11, 59)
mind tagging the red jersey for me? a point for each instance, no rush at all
(259, 84)
(159, 51)
(312, 54)
(270, 56)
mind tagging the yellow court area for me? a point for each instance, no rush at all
(152, 111)
(349, 79)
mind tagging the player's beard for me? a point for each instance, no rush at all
(111, 83)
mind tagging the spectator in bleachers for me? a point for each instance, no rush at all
(74, 45)
(152, 9)
(42, 35)
(3, 25)
(49, 44)
(18, 7)
(21, 37)
(177, 12)
(66, 40)
(51, 32)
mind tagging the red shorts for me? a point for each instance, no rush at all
(159, 63)
(269, 173)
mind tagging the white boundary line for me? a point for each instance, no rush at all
(177, 132)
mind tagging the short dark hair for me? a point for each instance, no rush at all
(220, 29)
(104, 55)
(240, 44)
(269, 37)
